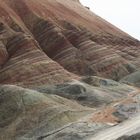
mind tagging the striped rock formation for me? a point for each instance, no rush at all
(22, 61)
(23, 58)
(68, 33)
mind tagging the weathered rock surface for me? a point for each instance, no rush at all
(28, 114)
(94, 94)
(132, 137)
(58, 63)
(132, 79)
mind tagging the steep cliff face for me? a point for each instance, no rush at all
(66, 32)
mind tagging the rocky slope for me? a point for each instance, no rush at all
(56, 59)
(68, 33)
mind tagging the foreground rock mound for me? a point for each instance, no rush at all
(25, 111)
(64, 111)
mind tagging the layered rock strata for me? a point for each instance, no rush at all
(80, 47)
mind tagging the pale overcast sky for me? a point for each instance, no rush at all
(125, 14)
